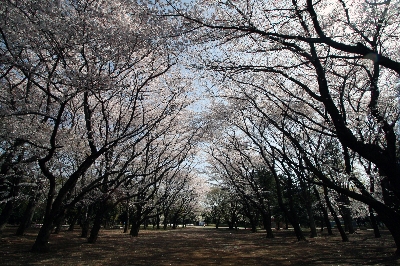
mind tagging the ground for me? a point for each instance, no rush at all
(199, 246)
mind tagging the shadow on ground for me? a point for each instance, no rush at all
(199, 246)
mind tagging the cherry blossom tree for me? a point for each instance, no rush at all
(82, 83)
(313, 67)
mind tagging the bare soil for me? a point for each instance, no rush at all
(199, 246)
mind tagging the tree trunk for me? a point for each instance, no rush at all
(5, 214)
(346, 214)
(308, 203)
(266, 216)
(311, 220)
(7, 211)
(86, 222)
(292, 215)
(127, 222)
(253, 224)
(335, 217)
(58, 222)
(324, 212)
(74, 219)
(28, 215)
(42, 239)
(136, 221)
(94, 233)
(392, 221)
(165, 223)
(374, 224)
(52, 209)
(85, 228)
(135, 228)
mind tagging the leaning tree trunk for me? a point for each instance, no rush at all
(374, 224)
(335, 217)
(288, 215)
(98, 220)
(52, 209)
(59, 221)
(324, 212)
(94, 233)
(392, 222)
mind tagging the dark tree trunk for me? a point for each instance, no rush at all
(288, 215)
(174, 221)
(42, 239)
(28, 215)
(127, 222)
(266, 216)
(74, 219)
(392, 221)
(292, 215)
(136, 221)
(165, 223)
(335, 217)
(311, 219)
(230, 225)
(217, 223)
(86, 222)
(59, 221)
(346, 214)
(94, 233)
(374, 224)
(7, 211)
(85, 228)
(253, 224)
(5, 214)
(326, 220)
(324, 212)
(308, 203)
(135, 229)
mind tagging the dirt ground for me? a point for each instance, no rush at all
(199, 246)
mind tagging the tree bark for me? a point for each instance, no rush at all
(94, 232)
(335, 217)
(374, 224)
(266, 216)
(74, 219)
(28, 215)
(136, 221)
(324, 212)
(288, 214)
(135, 229)
(346, 214)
